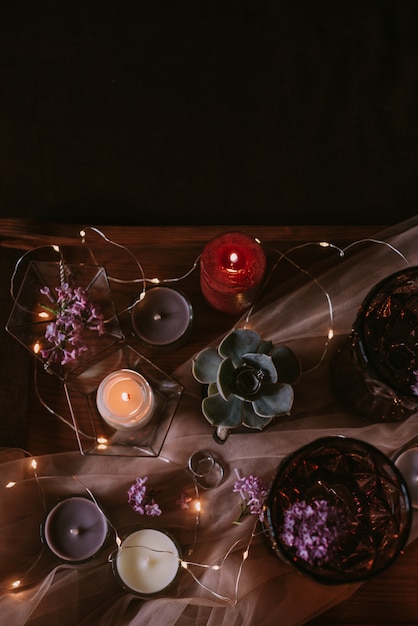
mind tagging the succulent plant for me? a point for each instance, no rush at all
(249, 381)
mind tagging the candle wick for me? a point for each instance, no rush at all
(157, 317)
(74, 531)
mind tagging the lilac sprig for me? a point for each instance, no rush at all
(74, 313)
(313, 530)
(414, 386)
(141, 499)
(253, 492)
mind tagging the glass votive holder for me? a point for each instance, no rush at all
(376, 370)
(75, 529)
(162, 318)
(206, 469)
(348, 495)
(148, 562)
(232, 267)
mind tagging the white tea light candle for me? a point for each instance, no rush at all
(125, 399)
(147, 562)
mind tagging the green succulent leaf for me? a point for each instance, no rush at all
(212, 388)
(265, 346)
(225, 378)
(287, 364)
(275, 400)
(205, 365)
(251, 420)
(220, 412)
(265, 363)
(240, 341)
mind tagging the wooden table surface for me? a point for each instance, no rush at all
(167, 252)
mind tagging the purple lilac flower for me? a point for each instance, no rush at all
(313, 530)
(253, 492)
(74, 313)
(414, 386)
(141, 500)
(184, 501)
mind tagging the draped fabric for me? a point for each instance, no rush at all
(259, 589)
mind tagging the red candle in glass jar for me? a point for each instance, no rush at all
(232, 267)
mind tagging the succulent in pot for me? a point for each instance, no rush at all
(249, 382)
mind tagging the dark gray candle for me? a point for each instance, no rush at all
(75, 529)
(162, 317)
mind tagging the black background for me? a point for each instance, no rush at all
(234, 112)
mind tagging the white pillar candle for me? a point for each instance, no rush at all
(147, 561)
(125, 399)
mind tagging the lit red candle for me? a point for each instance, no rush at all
(232, 267)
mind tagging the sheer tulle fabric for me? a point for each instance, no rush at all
(258, 590)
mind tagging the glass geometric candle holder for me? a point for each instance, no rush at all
(31, 313)
(376, 371)
(338, 510)
(96, 435)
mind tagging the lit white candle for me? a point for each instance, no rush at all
(125, 399)
(147, 561)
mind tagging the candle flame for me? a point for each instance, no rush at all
(43, 315)
(36, 347)
(126, 396)
(10, 484)
(16, 583)
(34, 463)
(197, 505)
(233, 257)
(74, 531)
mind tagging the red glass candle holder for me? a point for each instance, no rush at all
(232, 267)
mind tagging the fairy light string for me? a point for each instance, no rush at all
(22, 581)
(187, 565)
(281, 256)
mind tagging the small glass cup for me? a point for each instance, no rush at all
(206, 470)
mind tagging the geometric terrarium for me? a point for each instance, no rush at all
(122, 405)
(64, 315)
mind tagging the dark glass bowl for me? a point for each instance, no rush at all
(364, 486)
(374, 370)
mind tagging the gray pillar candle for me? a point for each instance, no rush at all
(163, 317)
(75, 529)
